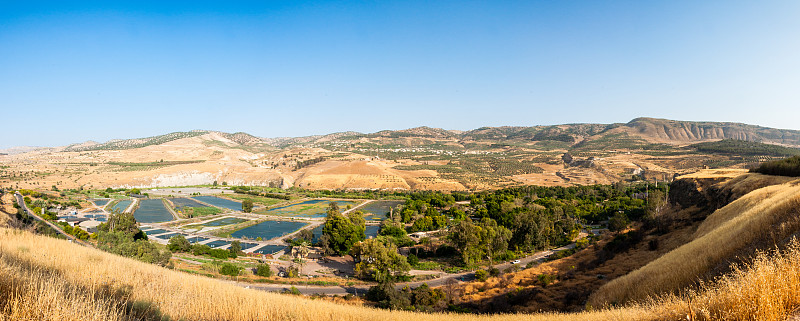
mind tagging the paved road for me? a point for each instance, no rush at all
(21, 202)
(361, 289)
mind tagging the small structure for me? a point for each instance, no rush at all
(90, 226)
(72, 221)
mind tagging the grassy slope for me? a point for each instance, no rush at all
(50, 279)
(760, 219)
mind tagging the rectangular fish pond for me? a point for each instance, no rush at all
(155, 231)
(101, 202)
(218, 243)
(377, 210)
(195, 239)
(246, 246)
(185, 202)
(219, 202)
(151, 211)
(310, 208)
(268, 230)
(168, 236)
(270, 249)
(121, 205)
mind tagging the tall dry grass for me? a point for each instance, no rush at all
(50, 279)
(768, 289)
(763, 217)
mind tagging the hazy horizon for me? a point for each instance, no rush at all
(73, 72)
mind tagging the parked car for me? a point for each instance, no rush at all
(515, 262)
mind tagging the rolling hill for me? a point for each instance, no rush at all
(415, 158)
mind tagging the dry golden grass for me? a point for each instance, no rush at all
(715, 173)
(50, 279)
(761, 218)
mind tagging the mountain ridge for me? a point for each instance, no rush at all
(657, 130)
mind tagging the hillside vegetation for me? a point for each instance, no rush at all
(744, 148)
(785, 167)
(761, 219)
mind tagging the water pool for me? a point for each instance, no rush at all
(377, 210)
(121, 205)
(218, 243)
(151, 211)
(101, 202)
(270, 249)
(268, 230)
(219, 202)
(196, 239)
(185, 202)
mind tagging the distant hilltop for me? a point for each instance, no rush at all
(420, 158)
(649, 129)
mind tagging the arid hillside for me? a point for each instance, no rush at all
(416, 158)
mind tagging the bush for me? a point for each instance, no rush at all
(292, 272)
(229, 269)
(481, 275)
(494, 271)
(263, 270)
(179, 243)
(247, 205)
(412, 259)
(219, 254)
(545, 279)
(200, 249)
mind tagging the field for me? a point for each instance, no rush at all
(310, 208)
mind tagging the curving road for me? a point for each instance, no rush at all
(362, 289)
(21, 202)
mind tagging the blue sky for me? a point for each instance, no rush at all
(98, 71)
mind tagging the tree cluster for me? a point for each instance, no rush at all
(341, 232)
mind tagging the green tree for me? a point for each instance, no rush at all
(230, 269)
(179, 243)
(618, 222)
(247, 205)
(235, 249)
(465, 237)
(378, 261)
(263, 270)
(340, 232)
(120, 222)
(493, 238)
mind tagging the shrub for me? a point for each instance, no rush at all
(545, 279)
(481, 275)
(179, 243)
(494, 271)
(200, 249)
(263, 270)
(229, 269)
(219, 253)
(412, 259)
